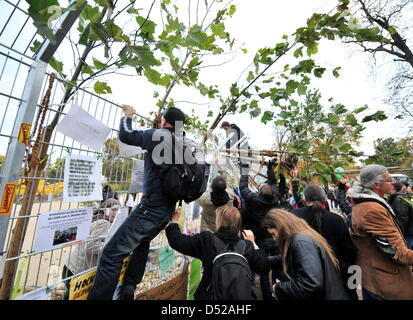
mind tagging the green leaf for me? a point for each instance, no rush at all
(36, 45)
(42, 13)
(333, 119)
(104, 3)
(378, 116)
(335, 72)
(312, 48)
(290, 86)
(284, 114)
(202, 89)
(99, 32)
(318, 72)
(87, 69)
(84, 37)
(113, 31)
(147, 27)
(250, 76)
(301, 145)
(193, 76)
(361, 109)
(301, 89)
(234, 90)
(304, 66)
(232, 10)
(194, 62)
(219, 30)
(339, 109)
(144, 56)
(392, 30)
(256, 112)
(155, 77)
(92, 14)
(243, 108)
(267, 116)
(254, 104)
(102, 87)
(298, 52)
(322, 168)
(199, 39)
(56, 64)
(99, 65)
(351, 120)
(264, 95)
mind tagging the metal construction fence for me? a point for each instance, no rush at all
(24, 81)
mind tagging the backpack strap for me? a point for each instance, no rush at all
(240, 246)
(218, 243)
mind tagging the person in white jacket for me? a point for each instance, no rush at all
(221, 193)
(85, 255)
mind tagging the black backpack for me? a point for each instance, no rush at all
(185, 181)
(231, 274)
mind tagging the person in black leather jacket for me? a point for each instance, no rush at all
(201, 245)
(308, 262)
(332, 227)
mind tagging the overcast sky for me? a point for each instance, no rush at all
(261, 23)
(256, 24)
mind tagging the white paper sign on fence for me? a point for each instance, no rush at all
(38, 294)
(126, 150)
(59, 228)
(2, 262)
(83, 179)
(119, 219)
(82, 127)
(136, 185)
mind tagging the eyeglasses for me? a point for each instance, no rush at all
(388, 180)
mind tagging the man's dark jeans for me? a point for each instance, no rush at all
(135, 234)
(409, 240)
(270, 248)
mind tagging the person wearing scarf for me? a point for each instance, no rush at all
(385, 261)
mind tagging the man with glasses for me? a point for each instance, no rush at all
(385, 260)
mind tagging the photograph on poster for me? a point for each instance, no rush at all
(64, 236)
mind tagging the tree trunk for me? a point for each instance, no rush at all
(19, 231)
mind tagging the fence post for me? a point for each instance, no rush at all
(16, 150)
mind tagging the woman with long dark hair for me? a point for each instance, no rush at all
(308, 262)
(331, 226)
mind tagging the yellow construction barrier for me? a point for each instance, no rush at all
(42, 188)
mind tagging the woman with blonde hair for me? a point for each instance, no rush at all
(204, 245)
(308, 261)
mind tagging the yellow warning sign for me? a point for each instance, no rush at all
(81, 286)
(8, 198)
(24, 133)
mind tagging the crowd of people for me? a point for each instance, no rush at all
(299, 248)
